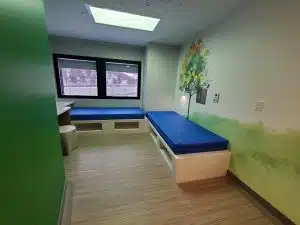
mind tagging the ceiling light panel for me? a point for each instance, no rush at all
(121, 19)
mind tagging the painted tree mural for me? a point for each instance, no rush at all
(193, 76)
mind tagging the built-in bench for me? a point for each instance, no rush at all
(191, 151)
(110, 120)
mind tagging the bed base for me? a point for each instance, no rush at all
(122, 126)
(191, 167)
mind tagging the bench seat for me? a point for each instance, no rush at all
(106, 113)
(191, 151)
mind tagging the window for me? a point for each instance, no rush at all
(121, 79)
(89, 77)
(77, 77)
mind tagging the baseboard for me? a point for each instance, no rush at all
(66, 204)
(266, 205)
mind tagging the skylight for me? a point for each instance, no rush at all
(121, 19)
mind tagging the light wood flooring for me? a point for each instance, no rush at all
(124, 180)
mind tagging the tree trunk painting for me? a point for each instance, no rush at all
(193, 77)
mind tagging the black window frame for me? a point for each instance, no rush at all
(101, 76)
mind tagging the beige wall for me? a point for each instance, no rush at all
(254, 56)
(73, 46)
(160, 76)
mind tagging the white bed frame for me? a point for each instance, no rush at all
(192, 167)
(108, 126)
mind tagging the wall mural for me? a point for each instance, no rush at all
(193, 77)
(268, 162)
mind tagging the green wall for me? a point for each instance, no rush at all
(32, 177)
(267, 161)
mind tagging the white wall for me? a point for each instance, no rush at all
(160, 76)
(254, 55)
(100, 49)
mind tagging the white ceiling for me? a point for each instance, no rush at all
(180, 19)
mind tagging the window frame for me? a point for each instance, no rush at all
(101, 76)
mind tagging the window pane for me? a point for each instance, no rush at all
(78, 77)
(121, 80)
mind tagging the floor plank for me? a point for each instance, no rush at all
(124, 180)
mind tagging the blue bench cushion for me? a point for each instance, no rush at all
(184, 136)
(104, 113)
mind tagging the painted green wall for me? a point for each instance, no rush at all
(32, 177)
(258, 159)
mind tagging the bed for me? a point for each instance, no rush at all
(108, 120)
(191, 151)
(184, 136)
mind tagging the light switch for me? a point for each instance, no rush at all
(216, 97)
(259, 106)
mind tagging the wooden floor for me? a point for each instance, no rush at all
(124, 180)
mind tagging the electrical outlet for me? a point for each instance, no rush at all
(259, 106)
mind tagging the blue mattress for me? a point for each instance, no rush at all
(184, 136)
(104, 113)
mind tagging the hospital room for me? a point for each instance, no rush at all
(150, 112)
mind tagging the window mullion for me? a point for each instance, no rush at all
(101, 80)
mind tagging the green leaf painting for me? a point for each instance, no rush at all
(267, 161)
(193, 74)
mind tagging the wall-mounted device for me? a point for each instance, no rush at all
(259, 106)
(216, 97)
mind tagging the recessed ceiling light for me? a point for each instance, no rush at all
(121, 19)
